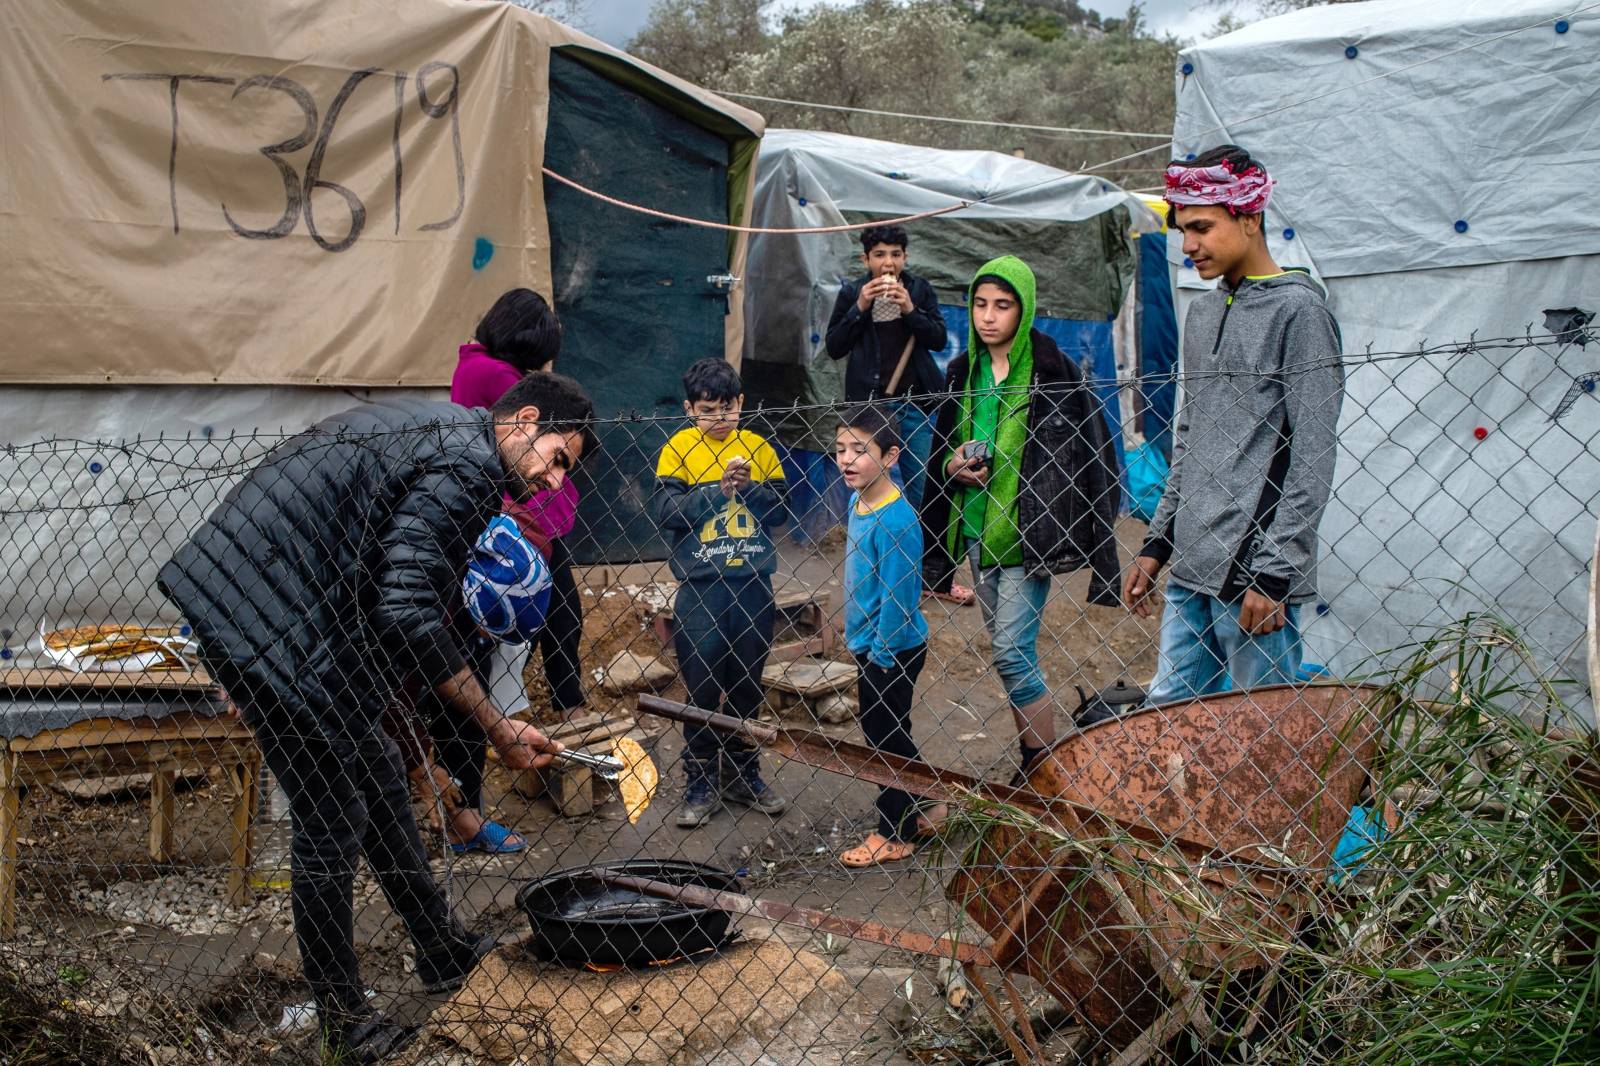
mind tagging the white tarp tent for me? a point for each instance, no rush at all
(1435, 164)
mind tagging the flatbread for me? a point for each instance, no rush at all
(637, 782)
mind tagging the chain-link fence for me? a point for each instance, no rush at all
(1365, 833)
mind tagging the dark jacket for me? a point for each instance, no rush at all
(323, 577)
(850, 333)
(1069, 492)
(714, 538)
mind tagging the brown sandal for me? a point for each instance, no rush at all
(876, 849)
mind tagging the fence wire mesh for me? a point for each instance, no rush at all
(1368, 836)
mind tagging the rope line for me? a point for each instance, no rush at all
(944, 118)
(729, 227)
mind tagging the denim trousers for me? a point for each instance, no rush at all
(1203, 650)
(1013, 606)
(916, 441)
(722, 631)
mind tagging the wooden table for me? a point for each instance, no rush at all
(162, 745)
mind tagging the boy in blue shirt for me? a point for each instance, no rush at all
(883, 624)
(719, 491)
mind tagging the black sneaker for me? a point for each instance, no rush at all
(698, 806)
(749, 790)
(447, 969)
(364, 1040)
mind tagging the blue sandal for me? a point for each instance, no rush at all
(493, 839)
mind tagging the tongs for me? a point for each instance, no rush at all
(608, 767)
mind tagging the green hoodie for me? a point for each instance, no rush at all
(993, 509)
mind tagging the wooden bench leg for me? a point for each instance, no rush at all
(10, 827)
(243, 778)
(163, 814)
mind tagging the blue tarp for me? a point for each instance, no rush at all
(1158, 343)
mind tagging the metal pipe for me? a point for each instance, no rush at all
(783, 913)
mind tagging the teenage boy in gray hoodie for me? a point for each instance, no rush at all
(1252, 459)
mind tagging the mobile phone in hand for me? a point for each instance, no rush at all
(978, 450)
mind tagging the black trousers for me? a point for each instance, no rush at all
(886, 695)
(349, 798)
(563, 629)
(723, 632)
(459, 743)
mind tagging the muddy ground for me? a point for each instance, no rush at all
(155, 948)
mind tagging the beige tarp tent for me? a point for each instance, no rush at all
(220, 219)
(284, 191)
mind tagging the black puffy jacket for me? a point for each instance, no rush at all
(1068, 494)
(850, 334)
(323, 577)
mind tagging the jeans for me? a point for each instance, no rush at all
(1013, 607)
(886, 695)
(1204, 651)
(346, 798)
(916, 441)
(722, 633)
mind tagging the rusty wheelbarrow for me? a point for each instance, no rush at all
(1147, 857)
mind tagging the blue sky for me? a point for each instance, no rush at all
(615, 21)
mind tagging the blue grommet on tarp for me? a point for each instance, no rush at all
(1188, 262)
(1288, 233)
(1187, 68)
(95, 467)
(1461, 225)
(207, 432)
(184, 631)
(5, 653)
(815, 337)
(482, 252)
(802, 201)
(1322, 608)
(1588, 385)
(1562, 25)
(1351, 52)
(1189, 158)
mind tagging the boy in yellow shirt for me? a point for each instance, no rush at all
(719, 491)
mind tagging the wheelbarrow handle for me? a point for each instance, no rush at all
(820, 921)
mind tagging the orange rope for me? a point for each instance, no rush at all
(750, 229)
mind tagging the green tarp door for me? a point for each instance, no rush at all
(631, 290)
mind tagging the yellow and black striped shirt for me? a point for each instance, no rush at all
(711, 535)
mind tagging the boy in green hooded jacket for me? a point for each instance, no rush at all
(1024, 484)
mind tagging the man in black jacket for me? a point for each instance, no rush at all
(888, 325)
(321, 580)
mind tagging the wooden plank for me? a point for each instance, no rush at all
(163, 813)
(102, 732)
(243, 777)
(799, 598)
(10, 827)
(193, 680)
(134, 757)
(572, 791)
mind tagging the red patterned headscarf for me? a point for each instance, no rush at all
(1245, 193)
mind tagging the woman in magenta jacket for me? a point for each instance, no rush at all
(520, 335)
